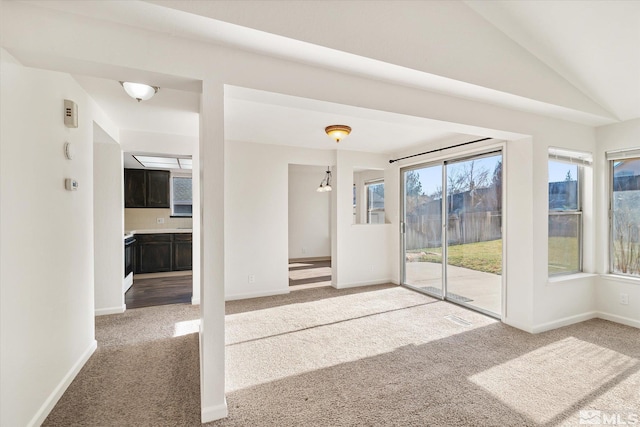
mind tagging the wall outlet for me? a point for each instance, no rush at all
(160, 220)
(251, 278)
(304, 250)
(624, 299)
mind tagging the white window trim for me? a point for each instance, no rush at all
(366, 192)
(611, 157)
(582, 160)
(178, 175)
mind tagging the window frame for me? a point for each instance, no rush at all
(577, 212)
(368, 184)
(612, 158)
(171, 200)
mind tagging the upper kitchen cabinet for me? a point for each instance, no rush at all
(158, 189)
(146, 188)
(135, 184)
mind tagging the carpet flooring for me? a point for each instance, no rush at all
(374, 356)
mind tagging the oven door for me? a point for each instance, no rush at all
(128, 255)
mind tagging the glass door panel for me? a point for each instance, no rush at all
(422, 237)
(474, 232)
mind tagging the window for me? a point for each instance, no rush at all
(566, 171)
(625, 212)
(375, 202)
(181, 196)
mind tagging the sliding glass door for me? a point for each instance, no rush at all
(423, 229)
(453, 250)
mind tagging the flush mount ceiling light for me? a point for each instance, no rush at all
(325, 184)
(139, 91)
(338, 132)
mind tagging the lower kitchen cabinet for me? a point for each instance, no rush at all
(182, 257)
(156, 253)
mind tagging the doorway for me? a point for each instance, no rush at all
(309, 227)
(452, 230)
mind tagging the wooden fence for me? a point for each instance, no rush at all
(425, 232)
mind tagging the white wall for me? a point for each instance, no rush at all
(309, 213)
(108, 228)
(363, 253)
(256, 215)
(256, 219)
(46, 270)
(609, 287)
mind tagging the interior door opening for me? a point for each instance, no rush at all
(452, 230)
(309, 227)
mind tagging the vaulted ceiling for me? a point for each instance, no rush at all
(577, 61)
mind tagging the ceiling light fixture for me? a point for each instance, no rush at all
(139, 91)
(158, 162)
(325, 184)
(338, 132)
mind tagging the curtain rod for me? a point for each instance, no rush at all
(438, 149)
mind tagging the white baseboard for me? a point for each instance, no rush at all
(213, 413)
(366, 283)
(256, 294)
(619, 319)
(195, 301)
(565, 321)
(517, 325)
(57, 392)
(110, 310)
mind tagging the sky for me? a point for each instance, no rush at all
(558, 171)
(431, 177)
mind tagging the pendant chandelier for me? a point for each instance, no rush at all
(325, 184)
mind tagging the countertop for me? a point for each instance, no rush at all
(130, 233)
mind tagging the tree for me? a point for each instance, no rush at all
(496, 182)
(467, 178)
(413, 186)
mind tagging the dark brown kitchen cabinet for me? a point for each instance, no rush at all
(135, 184)
(154, 253)
(182, 245)
(146, 188)
(158, 189)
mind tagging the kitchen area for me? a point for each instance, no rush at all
(158, 237)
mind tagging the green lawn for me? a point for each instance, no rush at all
(481, 256)
(564, 256)
(487, 256)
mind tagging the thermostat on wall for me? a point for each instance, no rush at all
(70, 184)
(70, 114)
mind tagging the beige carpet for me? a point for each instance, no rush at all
(140, 375)
(372, 356)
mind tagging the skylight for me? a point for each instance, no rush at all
(164, 162)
